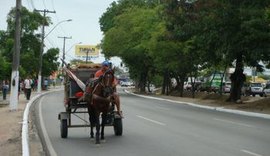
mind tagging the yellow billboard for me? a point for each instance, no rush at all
(86, 50)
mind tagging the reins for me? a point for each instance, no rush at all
(100, 81)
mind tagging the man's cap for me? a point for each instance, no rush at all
(105, 63)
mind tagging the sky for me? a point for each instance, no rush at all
(83, 28)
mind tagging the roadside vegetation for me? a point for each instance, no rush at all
(161, 40)
(30, 47)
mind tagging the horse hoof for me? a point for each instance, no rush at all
(103, 140)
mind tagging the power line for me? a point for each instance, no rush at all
(72, 57)
(28, 4)
(52, 5)
(50, 42)
(32, 3)
(44, 4)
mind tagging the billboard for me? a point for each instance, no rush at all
(81, 51)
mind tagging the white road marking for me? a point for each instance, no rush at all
(156, 122)
(232, 122)
(45, 134)
(251, 153)
(162, 108)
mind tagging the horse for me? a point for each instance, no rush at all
(99, 102)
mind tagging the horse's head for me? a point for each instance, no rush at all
(107, 80)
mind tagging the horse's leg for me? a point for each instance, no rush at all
(97, 128)
(92, 121)
(117, 103)
(104, 117)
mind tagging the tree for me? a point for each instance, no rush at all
(50, 63)
(129, 38)
(30, 41)
(236, 31)
(178, 43)
(4, 68)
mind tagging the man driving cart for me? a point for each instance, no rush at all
(106, 65)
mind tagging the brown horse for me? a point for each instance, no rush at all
(99, 102)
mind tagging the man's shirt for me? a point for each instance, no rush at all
(100, 73)
(27, 83)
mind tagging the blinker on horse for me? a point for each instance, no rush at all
(99, 102)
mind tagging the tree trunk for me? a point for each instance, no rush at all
(237, 79)
(142, 83)
(192, 79)
(182, 80)
(211, 81)
(221, 84)
(167, 82)
(164, 83)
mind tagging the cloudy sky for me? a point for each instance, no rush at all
(84, 26)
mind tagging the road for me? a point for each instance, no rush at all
(160, 128)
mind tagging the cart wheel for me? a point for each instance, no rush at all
(64, 128)
(118, 127)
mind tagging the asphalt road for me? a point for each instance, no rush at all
(160, 128)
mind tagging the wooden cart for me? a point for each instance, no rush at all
(74, 104)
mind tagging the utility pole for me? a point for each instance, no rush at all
(64, 47)
(16, 60)
(41, 47)
(86, 59)
(87, 54)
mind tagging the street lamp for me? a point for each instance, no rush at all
(57, 25)
(43, 36)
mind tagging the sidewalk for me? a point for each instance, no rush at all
(216, 101)
(10, 125)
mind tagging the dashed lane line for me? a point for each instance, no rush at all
(232, 122)
(153, 121)
(251, 153)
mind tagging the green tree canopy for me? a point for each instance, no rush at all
(30, 44)
(130, 38)
(50, 63)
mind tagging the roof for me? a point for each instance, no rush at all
(258, 80)
(87, 66)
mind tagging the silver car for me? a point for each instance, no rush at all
(266, 90)
(227, 87)
(256, 88)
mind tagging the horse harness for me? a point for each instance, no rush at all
(93, 85)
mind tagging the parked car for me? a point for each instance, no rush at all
(125, 84)
(266, 90)
(227, 87)
(255, 88)
(205, 86)
(187, 85)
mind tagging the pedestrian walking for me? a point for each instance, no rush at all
(54, 83)
(46, 84)
(27, 87)
(5, 88)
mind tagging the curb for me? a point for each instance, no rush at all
(25, 135)
(220, 109)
